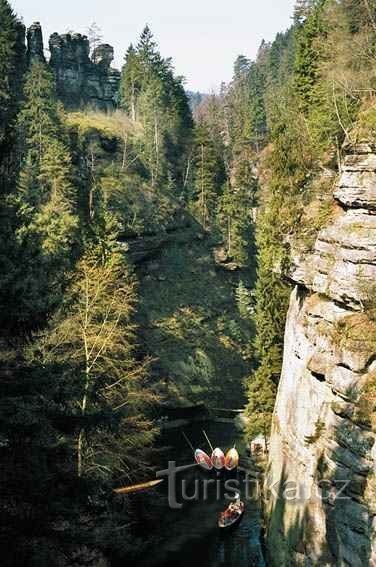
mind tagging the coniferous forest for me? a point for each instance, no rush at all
(145, 263)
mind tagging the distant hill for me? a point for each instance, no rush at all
(195, 99)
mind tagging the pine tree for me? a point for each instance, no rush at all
(208, 176)
(271, 296)
(235, 215)
(45, 224)
(151, 94)
(130, 85)
(307, 58)
(261, 394)
(39, 120)
(12, 64)
(241, 67)
(147, 48)
(36, 422)
(243, 300)
(257, 106)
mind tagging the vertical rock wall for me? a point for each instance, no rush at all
(81, 80)
(321, 478)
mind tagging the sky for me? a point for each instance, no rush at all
(203, 37)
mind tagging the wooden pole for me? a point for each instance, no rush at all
(207, 439)
(188, 441)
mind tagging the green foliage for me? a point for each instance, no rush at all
(366, 123)
(319, 430)
(8, 40)
(231, 127)
(38, 120)
(271, 296)
(112, 176)
(75, 397)
(234, 215)
(152, 95)
(35, 456)
(244, 300)
(312, 79)
(11, 69)
(261, 394)
(45, 223)
(306, 69)
(209, 174)
(192, 327)
(93, 340)
(109, 126)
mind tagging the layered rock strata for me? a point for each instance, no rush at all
(321, 480)
(82, 80)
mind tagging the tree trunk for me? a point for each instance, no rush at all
(125, 141)
(202, 188)
(156, 143)
(229, 236)
(82, 431)
(133, 103)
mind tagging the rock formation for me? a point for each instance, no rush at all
(321, 480)
(81, 80)
(35, 43)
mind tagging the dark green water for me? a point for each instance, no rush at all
(190, 536)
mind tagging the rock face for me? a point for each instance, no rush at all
(81, 80)
(35, 43)
(322, 469)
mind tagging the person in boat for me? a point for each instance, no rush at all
(236, 504)
(234, 507)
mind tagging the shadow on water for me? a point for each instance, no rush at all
(190, 536)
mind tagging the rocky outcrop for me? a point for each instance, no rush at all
(35, 43)
(182, 230)
(81, 80)
(321, 476)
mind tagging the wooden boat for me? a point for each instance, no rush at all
(232, 516)
(203, 460)
(138, 487)
(232, 459)
(218, 459)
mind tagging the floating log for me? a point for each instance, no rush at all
(138, 487)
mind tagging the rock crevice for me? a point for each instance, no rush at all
(82, 79)
(322, 439)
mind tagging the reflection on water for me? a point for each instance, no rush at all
(190, 536)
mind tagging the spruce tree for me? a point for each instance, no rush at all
(306, 69)
(45, 224)
(130, 84)
(208, 176)
(235, 214)
(12, 61)
(152, 95)
(39, 120)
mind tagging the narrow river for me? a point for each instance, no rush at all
(189, 537)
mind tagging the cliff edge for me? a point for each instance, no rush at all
(321, 482)
(83, 79)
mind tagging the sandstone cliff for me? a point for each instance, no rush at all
(321, 474)
(82, 80)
